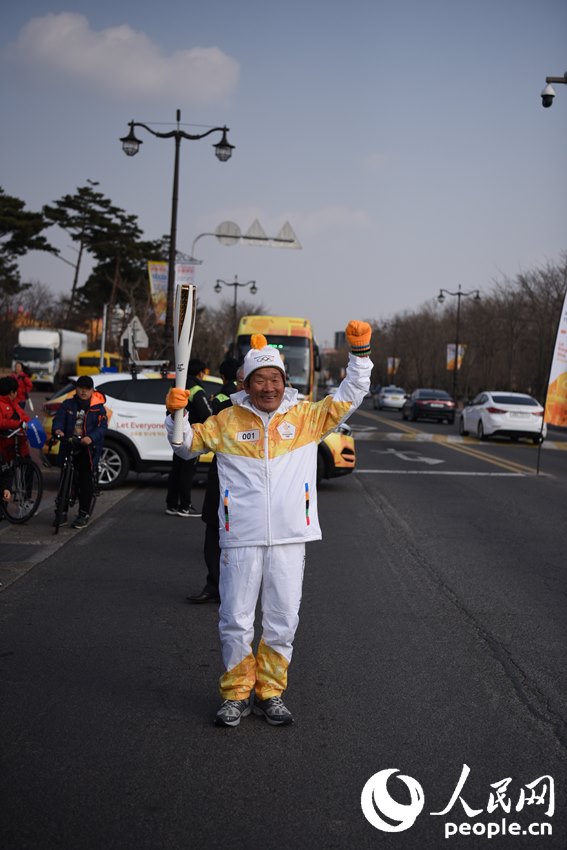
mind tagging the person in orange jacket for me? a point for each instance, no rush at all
(83, 416)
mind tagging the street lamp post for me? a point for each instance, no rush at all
(235, 285)
(458, 295)
(223, 152)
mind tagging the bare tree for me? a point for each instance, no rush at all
(214, 331)
(509, 337)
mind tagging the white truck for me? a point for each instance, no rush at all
(49, 355)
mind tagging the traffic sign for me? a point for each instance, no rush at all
(135, 334)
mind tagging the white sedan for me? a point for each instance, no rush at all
(389, 398)
(501, 413)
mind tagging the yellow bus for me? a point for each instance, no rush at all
(293, 337)
(88, 362)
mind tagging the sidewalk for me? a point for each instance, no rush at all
(24, 546)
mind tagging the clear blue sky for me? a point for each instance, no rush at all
(404, 141)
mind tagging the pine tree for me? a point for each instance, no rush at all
(20, 232)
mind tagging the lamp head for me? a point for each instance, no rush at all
(217, 287)
(131, 144)
(253, 288)
(223, 149)
(440, 297)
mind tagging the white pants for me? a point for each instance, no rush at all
(279, 570)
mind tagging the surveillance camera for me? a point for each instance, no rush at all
(547, 95)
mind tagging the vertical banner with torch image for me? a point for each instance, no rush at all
(157, 272)
(393, 365)
(556, 399)
(454, 358)
(184, 312)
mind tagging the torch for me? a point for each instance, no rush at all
(183, 329)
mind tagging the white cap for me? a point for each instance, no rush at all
(261, 355)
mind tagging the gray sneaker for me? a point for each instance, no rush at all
(190, 511)
(81, 522)
(273, 710)
(231, 711)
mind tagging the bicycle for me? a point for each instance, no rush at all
(26, 484)
(67, 489)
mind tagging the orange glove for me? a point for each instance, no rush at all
(358, 335)
(176, 399)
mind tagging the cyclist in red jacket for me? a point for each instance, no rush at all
(11, 417)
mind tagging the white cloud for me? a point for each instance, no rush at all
(120, 60)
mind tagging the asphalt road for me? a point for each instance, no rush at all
(432, 636)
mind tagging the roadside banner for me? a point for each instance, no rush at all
(393, 366)
(157, 272)
(158, 287)
(556, 400)
(451, 356)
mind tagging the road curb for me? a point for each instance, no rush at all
(22, 547)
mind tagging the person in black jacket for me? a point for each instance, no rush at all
(83, 416)
(229, 372)
(180, 481)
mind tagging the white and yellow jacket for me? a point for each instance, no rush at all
(267, 462)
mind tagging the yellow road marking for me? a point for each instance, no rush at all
(400, 426)
(510, 465)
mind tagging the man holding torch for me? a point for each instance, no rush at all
(266, 447)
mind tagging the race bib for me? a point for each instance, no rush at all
(247, 436)
(286, 430)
